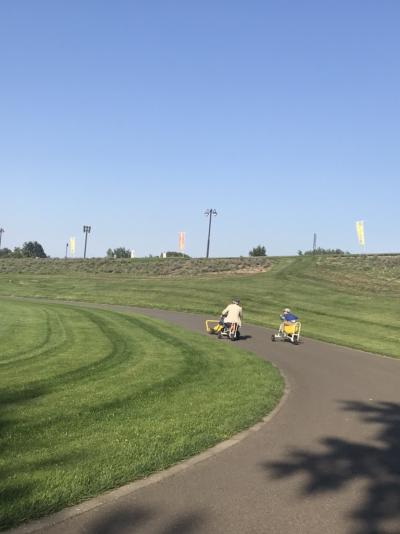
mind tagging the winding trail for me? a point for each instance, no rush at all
(327, 462)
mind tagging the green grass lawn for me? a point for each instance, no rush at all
(349, 300)
(92, 399)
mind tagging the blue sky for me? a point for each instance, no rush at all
(134, 117)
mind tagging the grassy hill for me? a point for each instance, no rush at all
(92, 366)
(76, 384)
(345, 299)
(147, 267)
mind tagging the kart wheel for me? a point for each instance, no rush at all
(273, 337)
(296, 341)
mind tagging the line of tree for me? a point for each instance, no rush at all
(122, 252)
(119, 252)
(172, 254)
(260, 250)
(30, 249)
(320, 251)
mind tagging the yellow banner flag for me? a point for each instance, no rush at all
(360, 232)
(181, 241)
(72, 246)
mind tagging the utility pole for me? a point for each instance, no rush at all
(314, 248)
(209, 213)
(1, 233)
(66, 250)
(86, 231)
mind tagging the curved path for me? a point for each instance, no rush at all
(327, 462)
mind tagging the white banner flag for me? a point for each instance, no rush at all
(72, 246)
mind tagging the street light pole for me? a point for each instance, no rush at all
(86, 230)
(1, 233)
(209, 213)
(66, 250)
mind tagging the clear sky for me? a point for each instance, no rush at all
(135, 116)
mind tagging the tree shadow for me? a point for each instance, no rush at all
(129, 519)
(18, 495)
(344, 461)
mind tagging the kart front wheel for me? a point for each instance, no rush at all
(273, 337)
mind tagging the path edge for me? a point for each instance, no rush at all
(114, 494)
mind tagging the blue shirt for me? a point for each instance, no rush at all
(289, 317)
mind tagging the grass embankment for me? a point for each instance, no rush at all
(93, 399)
(350, 300)
(139, 267)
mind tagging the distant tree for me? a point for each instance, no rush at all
(258, 251)
(119, 252)
(172, 254)
(17, 252)
(320, 251)
(5, 252)
(33, 249)
(300, 252)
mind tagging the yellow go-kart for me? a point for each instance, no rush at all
(219, 328)
(288, 332)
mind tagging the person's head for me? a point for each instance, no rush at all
(286, 310)
(235, 301)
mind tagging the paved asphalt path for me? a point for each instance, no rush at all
(326, 462)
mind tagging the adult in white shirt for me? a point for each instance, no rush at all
(233, 313)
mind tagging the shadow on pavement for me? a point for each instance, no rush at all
(128, 520)
(344, 461)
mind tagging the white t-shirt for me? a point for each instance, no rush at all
(234, 314)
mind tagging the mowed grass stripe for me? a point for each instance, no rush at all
(347, 300)
(54, 339)
(128, 396)
(16, 346)
(99, 344)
